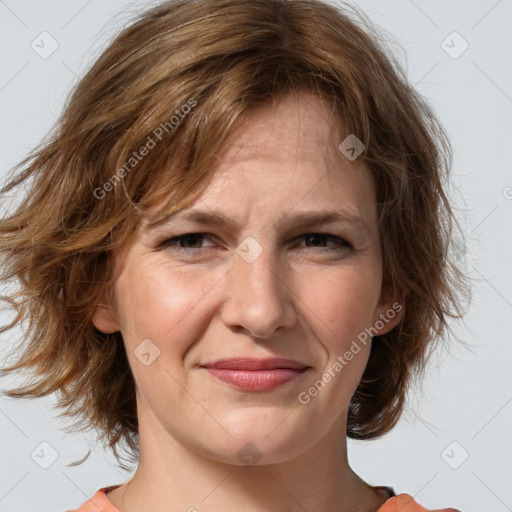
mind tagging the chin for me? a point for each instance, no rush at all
(258, 439)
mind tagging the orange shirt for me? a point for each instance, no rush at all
(401, 503)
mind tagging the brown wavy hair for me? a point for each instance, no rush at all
(190, 70)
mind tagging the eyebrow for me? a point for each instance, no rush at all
(300, 219)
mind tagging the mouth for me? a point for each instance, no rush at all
(250, 374)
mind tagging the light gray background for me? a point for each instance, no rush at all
(467, 395)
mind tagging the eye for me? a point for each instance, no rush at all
(179, 243)
(191, 242)
(323, 238)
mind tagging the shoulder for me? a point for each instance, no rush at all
(406, 503)
(98, 503)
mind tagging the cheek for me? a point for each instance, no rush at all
(340, 306)
(343, 301)
(163, 304)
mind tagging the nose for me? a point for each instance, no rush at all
(260, 296)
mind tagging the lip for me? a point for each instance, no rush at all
(252, 363)
(251, 374)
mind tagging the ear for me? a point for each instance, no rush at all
(103, 317)
(388, 312)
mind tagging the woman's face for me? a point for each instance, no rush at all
(266, 279)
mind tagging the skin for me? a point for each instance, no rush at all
(302, 298)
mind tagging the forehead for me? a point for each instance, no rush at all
(296, 127)
(290, 149)
(282, 158)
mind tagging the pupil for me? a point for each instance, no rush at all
(190, 239)
(315, 237)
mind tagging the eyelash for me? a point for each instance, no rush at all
(171, 242)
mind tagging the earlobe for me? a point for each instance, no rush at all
(103, 318)
(388, 316)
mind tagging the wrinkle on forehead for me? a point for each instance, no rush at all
(310, 119)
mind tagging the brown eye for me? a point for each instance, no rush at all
(312, 239)
(191, 239)
(186, 242)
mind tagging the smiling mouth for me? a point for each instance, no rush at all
(256, 374)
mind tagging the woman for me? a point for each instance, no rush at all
(232, 256)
